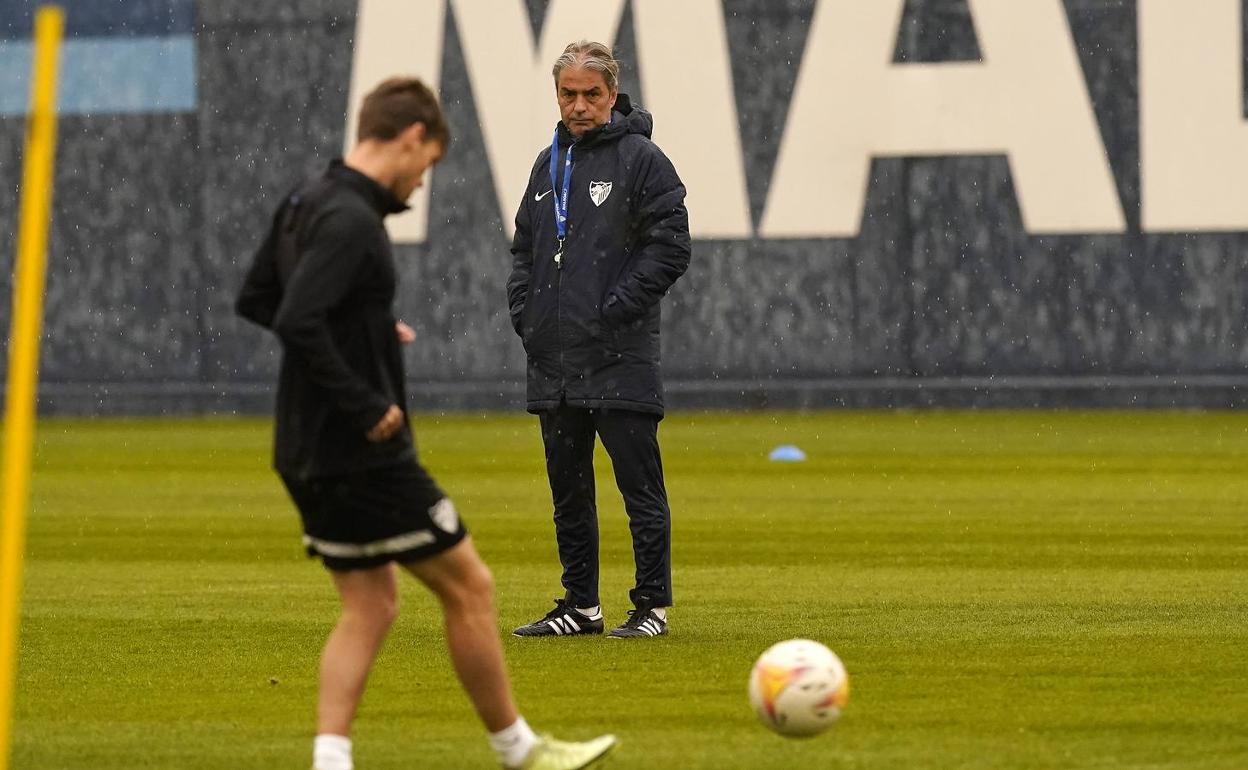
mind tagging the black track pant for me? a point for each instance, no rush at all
(632, 441)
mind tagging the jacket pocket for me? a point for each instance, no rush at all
(539, 327)
(607, 338)
(614, 344)
(525, 324)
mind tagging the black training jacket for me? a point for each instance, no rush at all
(324, 281)
(591, 327)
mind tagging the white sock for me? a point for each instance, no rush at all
(590, 612)
(513, 744)
(332, 752)
(661, 612)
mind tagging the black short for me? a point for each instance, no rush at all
(381, 515)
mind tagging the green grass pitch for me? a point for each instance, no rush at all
(1008, 590)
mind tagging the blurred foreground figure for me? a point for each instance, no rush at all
(324, 281)
(601, 235)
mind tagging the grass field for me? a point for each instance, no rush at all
(1008, 590)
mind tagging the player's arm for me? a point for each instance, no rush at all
(522, 250)
(261, 292)
(521, 271)
(328, 269)
(661, 227)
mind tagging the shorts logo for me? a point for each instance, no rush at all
(598, 192)
(444, 515)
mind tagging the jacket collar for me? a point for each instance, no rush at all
(626, 118)
(379, 198)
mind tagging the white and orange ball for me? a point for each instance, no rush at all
(798, 687)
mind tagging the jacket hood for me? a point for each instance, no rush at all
(626, 118)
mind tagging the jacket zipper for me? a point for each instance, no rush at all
(563, 378)
(558, 306)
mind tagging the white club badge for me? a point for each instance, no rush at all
(598, 192)
(444, 515)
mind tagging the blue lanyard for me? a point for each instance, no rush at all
(561, 200)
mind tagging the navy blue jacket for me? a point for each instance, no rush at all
(591, 326)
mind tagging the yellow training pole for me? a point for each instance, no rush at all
(19, 411)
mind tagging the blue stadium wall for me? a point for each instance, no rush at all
(184, 122)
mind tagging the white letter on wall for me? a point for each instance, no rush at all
(1193, 137)
(393, 37)
(688, 86)
(1027, 100)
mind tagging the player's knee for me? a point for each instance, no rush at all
(474, 588)
(378, 612)
(388, 611)
(478, 584)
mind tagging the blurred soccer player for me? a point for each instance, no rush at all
(601, 235)
(324, 281)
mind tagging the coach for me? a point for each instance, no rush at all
(601, 235)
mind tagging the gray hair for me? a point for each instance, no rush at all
(593, 56)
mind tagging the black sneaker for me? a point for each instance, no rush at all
(641, 623)
(563, 620)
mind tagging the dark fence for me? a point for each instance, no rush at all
(944, 298)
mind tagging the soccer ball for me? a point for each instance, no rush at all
(798, 687)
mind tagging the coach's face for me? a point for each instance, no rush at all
(585, 102)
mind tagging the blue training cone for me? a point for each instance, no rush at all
(787, 453)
